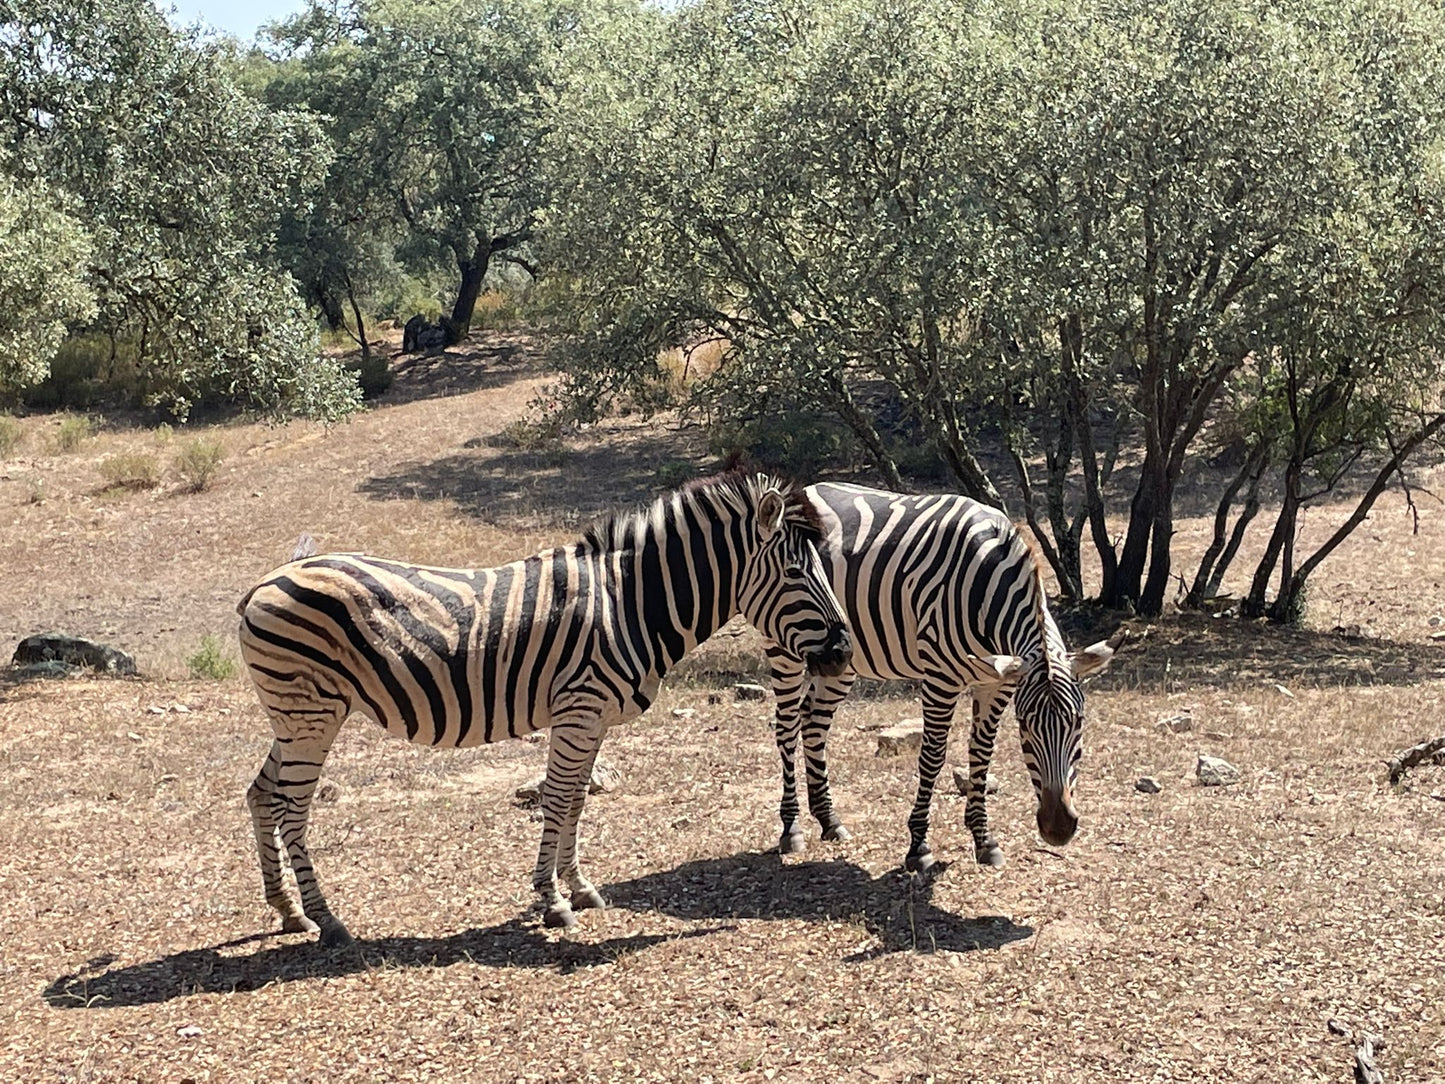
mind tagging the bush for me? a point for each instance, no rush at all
(373, 374)
(209, 662)
(74, 431)
(86, 370)
(9, 435)
(131, 470)
(198, 462)
(674, 473)
(797, 444)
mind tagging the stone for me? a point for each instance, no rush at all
(904, 737)
(50, 668)
(1147, 784)
(683, 713)
(73, 651)
(1436, 621)
(328, 791)
(1176, 724)
(746, 690)
(1215, 772)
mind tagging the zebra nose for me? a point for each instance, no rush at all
(835, 654)
(1058, 821)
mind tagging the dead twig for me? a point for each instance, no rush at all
(1366, 1072)
(1433, 749)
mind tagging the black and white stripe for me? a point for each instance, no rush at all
(576, 639)
(945, 591)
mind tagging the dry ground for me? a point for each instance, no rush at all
(1193, 935)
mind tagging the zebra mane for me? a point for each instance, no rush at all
(1057, 664)
(737, 488)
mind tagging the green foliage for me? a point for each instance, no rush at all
(131, 471)
(1049, 220)
(198, 461)
(799, 443)
(10, 434)
(674, 473)
(44, 250)
(209, 662)
(86, 370)
(179, 180)
(74, 430)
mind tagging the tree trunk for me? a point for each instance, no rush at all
(1142, 509)
(1223, 545)
(1284, 526)
(360, 325)
(1156, 586)
(473, 267)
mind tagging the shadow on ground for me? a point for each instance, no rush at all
(564, 485)
(1192, 650)
(895, 907)
(489, 360)
(216, 970)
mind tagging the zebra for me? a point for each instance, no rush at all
(575, 638)
(946, 591)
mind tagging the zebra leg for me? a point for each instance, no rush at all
(818, 711)
(790, 690)
(584, 894)
(988, 706)
(286, 784)
(266, 811)
(571, 752)
(939, 702)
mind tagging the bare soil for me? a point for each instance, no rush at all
(1196, 934)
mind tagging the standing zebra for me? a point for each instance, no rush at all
(575, 638)
(945, 591)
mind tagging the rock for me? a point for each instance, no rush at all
(746, 690)
(1176, 724)
(74, 651)
(50, 668)
(960, 780)
(190, 1031)
(683, 713)
(1438, 635)
(1147, 784)
(1338, 1027)
(328, 791)
(1436, 621)
(1215, 772)
(605, 779)
(904, 737)
(714, 698)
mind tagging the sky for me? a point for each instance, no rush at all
(238, 17)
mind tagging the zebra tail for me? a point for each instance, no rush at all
(305, 547)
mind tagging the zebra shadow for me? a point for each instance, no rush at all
(895, 907)
(220, 969)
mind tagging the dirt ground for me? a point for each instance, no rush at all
(1192, 935)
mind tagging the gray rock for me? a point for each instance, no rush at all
(904, 737)
(746, 690)
(1176, 724)
(74, 651)
(50, 668)
(1147, 784)
(1215, 772)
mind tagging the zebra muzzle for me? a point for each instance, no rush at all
(834, 656)
(1058, 820)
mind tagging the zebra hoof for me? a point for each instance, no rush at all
(586, 898)
(559, 916)
(919, 861)
(836, 833)
(335, 935)
(792, 843)
(297, 924)
(991, 854)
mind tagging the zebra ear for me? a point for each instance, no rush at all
(1095, 658)
(1006, 667)
(770, 514)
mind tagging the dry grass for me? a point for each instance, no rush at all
(1188, 936)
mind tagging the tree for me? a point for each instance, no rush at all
(179, 179)
(43, 253)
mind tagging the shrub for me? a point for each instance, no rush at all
(798, 444)
(9, 435)
(74, 431)
(208, 662)
(674, 473)
(198, 461)
(131, 470)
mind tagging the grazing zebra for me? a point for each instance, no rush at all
(575, 638)
(945, 591)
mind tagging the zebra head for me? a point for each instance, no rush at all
(1049, 704)
(783, 588)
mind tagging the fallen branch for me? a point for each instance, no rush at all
(1432, 750)
(1366, 1072)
